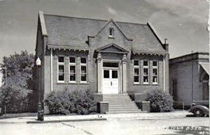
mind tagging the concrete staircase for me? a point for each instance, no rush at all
(120, 103)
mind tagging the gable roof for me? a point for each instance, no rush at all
(72, 31)
(111, 21)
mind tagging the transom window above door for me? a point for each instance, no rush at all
(110, 64)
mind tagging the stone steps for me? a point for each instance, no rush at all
(120, 103)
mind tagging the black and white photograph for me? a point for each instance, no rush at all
(104, 67)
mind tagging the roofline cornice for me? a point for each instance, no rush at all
(42, 23)
(144, 52)
(190, 57)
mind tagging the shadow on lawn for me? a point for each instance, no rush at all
(191, 130)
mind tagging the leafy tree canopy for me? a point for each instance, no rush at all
(17, 69)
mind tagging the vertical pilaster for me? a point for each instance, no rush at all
(99, 68)
(51, 69)
(124, 74)
(166, 73)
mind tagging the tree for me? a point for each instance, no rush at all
(17, 78)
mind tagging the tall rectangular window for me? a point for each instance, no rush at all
(83, 72)
(136, 72)
(154, 72)
(72, 69)
(145, 72)
(60, 69)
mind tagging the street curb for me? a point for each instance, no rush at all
(59, 121)
(5, 122)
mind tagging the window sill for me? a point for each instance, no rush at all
(112, 37)
(146, 84)
(72, 83)
(61, 82)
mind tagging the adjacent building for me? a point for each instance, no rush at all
(105, 56)
(189, 78)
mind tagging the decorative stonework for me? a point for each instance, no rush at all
(99, 68)
(124, 59)
(99, 57)
(124, 73)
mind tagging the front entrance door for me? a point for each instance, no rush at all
(110, 81)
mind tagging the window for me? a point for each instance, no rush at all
(145, 72)
(110, 64)
(72, 69)
(154, 72)
(60, 69)
(136, 72)
(111, 32)
(106, 73)
(83, 70)
(114, 74)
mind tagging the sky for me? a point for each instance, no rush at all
(182, 22)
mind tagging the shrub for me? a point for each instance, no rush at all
(15, 99)
(66, 102)
(159, 101)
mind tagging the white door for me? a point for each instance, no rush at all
(110, 81)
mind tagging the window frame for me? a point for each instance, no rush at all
(58, 72)
(85, 65)
(148, 75)
(72, 64)
(155, 67)
(139, 68)
(111, 32)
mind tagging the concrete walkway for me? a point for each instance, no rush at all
(97, 117)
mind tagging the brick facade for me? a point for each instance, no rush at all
(91, 39)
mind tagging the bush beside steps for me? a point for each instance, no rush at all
(159, 101)
(67, 102)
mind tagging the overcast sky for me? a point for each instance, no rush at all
(182, 22)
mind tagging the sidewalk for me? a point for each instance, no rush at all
(96, 117)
